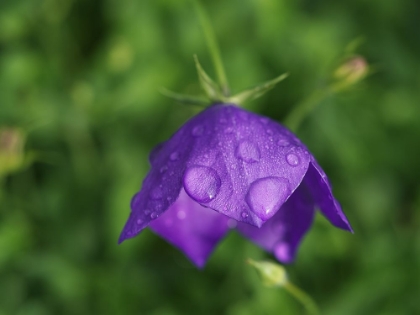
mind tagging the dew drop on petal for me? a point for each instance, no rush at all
(244, 215)
(198, 130)
(174, 156)
(269, 131)
(163, 169)
(292, 159)
(156, 193)
(248, 152)
(283, 142)
(181, 215)
(153, 215)
(202, 183)
(228, 130)
(231, 223)
(264, 120)
(266, 195)
(139, 221)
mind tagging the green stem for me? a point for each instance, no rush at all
(303, 109)
(213, 47)
(298, 114)
(304, 298)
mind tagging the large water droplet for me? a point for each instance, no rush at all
(292, 159)
(201, 183)
(153, 215)
(248, 152)
(267, 195)
(198, 130)
(156, 193)
(174, 156)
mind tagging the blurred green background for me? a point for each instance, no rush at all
(80, 111)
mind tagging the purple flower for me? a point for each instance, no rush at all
(227, 168)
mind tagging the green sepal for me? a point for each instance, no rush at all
(210, 87)
(256, 92)
(185, 99)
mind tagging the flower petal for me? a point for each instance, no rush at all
(192, 228)
(242, 165)
(238, 163)
(283, 233)
(322, 193)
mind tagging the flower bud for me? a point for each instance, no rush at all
(272, 274)
(12, 142)
(352, 71)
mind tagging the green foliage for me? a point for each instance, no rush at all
(80, 80)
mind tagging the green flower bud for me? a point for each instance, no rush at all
(272, 274)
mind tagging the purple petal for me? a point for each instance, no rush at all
(192, 228)
(283, 233)
(242, 165)
(321, 190)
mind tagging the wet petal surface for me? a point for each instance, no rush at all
(195, 230)
(322, 193)
(283, 233)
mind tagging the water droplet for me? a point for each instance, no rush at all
(139, 221)
(248, 152)
(283, 142)
(201, 183)
(174, 156)
(244, 215)
(264, 120)
(292, 159)
(181, 215)
(156, 193)
(163, 169)
(153, 215)
(198, 130)
(269, 131)
(232, 224)
(266, 195)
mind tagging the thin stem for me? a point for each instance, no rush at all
(304, 298)
(298, 114)
(213, 47)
